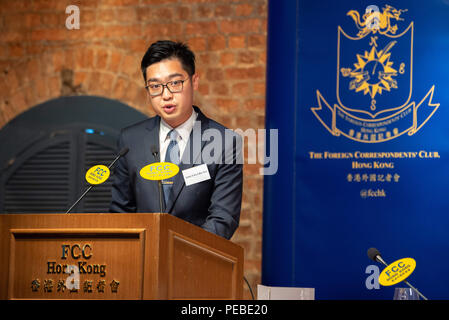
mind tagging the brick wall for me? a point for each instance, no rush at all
(40, 59)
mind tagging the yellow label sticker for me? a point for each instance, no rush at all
(159, 171)
(97, 174)
(397, 271)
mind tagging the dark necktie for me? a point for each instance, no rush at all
(171, 156)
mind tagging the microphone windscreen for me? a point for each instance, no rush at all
(373, 253)
(124, 151)
(154, 150)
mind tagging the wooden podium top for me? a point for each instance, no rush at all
(115, 256)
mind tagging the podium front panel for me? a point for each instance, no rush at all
(76, 263)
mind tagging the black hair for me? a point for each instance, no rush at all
(166, 49)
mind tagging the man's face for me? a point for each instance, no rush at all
(174, 108)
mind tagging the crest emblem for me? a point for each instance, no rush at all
(374, 80)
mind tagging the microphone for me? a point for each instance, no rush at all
(122, 153)
(374, 255)
(155, 153)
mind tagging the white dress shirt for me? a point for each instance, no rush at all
(183, 131)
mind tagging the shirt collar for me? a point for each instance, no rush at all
(183, 129)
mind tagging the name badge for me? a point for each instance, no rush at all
(196, 174)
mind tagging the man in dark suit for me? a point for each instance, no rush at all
(209, 193)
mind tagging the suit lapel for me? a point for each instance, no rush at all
(151, 139)
(190, 157)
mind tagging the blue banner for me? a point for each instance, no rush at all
(366, 155)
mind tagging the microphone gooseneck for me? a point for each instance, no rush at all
(155, 153)
(122, 153)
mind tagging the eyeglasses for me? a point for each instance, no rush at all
(156, 89)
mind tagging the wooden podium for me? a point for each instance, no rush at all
(115, 256)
